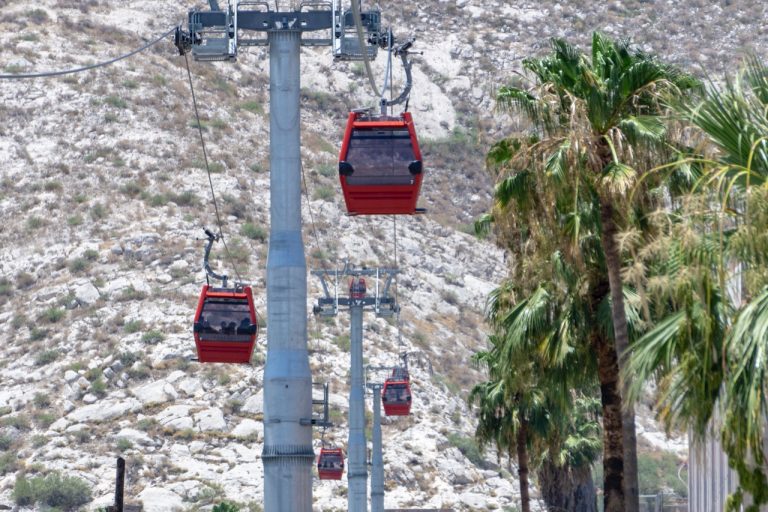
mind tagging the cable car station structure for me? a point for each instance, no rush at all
(216, 35)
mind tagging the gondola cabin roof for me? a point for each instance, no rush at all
(380, 165)
(225, 325)
(396, 397)
(330, 463)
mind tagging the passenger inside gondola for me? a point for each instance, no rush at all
(397, 393)
(225, 317)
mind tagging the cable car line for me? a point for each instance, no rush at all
(48, 74)
(208, 170)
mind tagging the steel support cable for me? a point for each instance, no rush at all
(47, 74)
(397, 291)
(364, 46)
(208, 170)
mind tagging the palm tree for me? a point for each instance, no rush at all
(502, 416)
(708, 348)
(595, 127)
(537, 366)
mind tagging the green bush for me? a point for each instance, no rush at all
(6, 287)
(22, 492)
(469, 448)
(20, 421)
(98, 387)
(8, 462)
(133, 326)
(41, 400)
(152, 337)
(115, 101)
(124, 444)
(226, 506)
(47, 356)
(128, 358)
(78, 265)
(34, 222)
(343, 342)
(5, 442)
(44, 419)
(53, 315)
(324, 193)
(252, 106)
(99, 211)
(67, 493)
(254, 232)
(185, 198)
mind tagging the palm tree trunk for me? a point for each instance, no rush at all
(555, 485)
(621, 335)
(613, 448)
(584, 495)
(522, 464)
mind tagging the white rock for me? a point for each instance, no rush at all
(157, 392)
(90, 398)
(86, 294)
(70, 376)
(210, 419)
(105, 410)
(156, 499)
(255, 404)
(248, 427)
(191, 386)
(59, 425)
(135, 436)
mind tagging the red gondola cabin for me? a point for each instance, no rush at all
(330, 463)
(396, 395)
(380, 165)
(225, 325)
(357, 288)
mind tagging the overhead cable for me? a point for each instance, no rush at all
(208, 169)
(48, 74)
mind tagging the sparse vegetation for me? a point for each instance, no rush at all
(53, 315)
(53, 490)
(152, 337)
(46, 356)
(254, 232)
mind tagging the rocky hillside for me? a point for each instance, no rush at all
(104, 193)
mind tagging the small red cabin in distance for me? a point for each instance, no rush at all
(330, 463)
(357, 288)
(225, 325)
(396, 396)
(380, 165)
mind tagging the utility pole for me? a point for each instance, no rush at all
(216, 35)
(383, 305)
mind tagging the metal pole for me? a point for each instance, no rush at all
(357, 476)
(377, 458)
(288, 453)
(119, 484)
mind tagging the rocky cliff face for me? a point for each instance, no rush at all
(104, 193)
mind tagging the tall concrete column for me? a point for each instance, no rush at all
(357, 474)
(288, 453)
(377, 458)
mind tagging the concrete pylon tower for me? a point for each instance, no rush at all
(288, 453)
